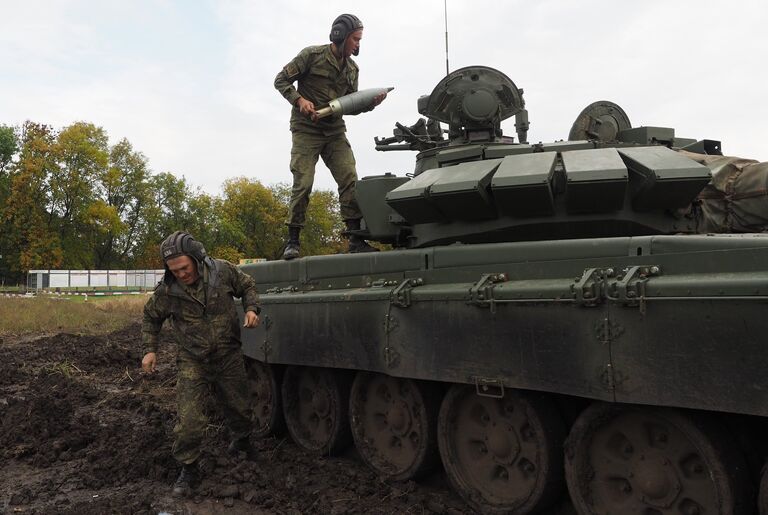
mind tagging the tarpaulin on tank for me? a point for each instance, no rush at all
(736, 200)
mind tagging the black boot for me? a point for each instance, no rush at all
(356, 243)
(243, 445)
(186, 481)
(292, 246)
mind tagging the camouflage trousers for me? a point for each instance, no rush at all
(338, 157)
(224, 370)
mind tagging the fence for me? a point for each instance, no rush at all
(93, 279)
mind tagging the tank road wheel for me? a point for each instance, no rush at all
(316, 408)
(264, 383)
(652, 461)
(502, 455)
(394, 424)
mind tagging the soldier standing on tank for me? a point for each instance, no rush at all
(323, 72)
(196, 294)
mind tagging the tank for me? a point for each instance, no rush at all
(550, 325)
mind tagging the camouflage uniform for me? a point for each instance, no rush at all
(207, 330)
(320, 79)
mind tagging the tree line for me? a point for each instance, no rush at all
(70, 200)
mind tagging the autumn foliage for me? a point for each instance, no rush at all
(69, 199)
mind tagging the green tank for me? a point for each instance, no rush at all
(549, 323)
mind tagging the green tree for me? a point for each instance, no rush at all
(123, 186)
(255, 217)
(30, 242)
(82, 153)
(208, 223)
(227, 252)
(323, 225)
(322, 232)
(167, 210)
(9, 145)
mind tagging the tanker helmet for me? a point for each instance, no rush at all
(343, 26)
(182, 243)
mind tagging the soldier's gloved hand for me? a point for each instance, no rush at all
(149, 362)
(251, 319)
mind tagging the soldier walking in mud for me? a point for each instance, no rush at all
(196, 294)
(324, 73)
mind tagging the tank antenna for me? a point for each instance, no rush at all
(445, 10)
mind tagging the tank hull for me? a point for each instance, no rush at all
(654, 320)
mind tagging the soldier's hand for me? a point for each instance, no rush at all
(306, 108)
(149, 362)
(251, 319)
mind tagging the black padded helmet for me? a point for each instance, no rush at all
(182, 243)
(343, 26)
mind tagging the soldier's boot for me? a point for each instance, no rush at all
(356, 243)
(186, 481)
(243, 445)
(292, 245)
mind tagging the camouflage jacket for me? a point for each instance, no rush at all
(320, 79)
(201, 327)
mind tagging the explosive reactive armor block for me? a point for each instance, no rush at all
(522, 185)
(663, 178)
(596, 180)
(462, 191)
(411, 199)
(459, 192)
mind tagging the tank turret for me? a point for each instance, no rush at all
(477, 185)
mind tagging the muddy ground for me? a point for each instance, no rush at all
(83, 431)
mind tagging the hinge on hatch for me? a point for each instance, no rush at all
(401, 296)
(481, 293)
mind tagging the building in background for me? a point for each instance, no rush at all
(94, 279)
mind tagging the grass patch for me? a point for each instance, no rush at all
(66, 368)
(63, 314)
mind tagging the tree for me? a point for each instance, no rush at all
(166, 211)
(123, 187)
(30, 242)
(9, 145)
(227, 252)
(255, 216)
(82, 154)
(322, 232)
(69, 199)
(323, 224)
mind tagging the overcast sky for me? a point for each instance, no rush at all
(189, 83)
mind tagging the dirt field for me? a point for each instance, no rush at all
(82, 431)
